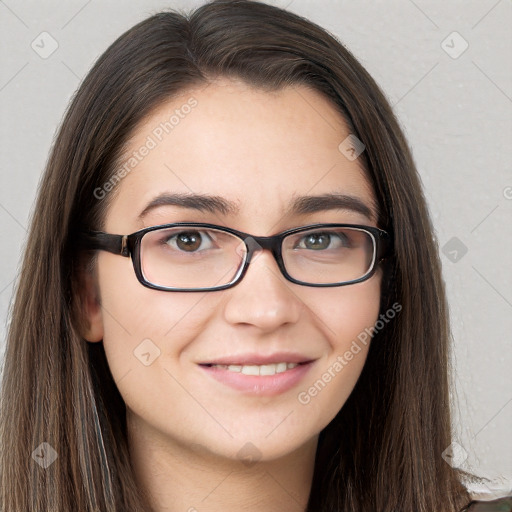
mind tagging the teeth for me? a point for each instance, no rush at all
(281, 367)
(264, 369)
(250, 370)
(268, 369)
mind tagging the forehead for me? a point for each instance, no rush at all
(257, 149)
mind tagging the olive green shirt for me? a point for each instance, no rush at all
(499, 505)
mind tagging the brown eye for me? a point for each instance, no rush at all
(188, 240)
(322, 240)
(317, 241)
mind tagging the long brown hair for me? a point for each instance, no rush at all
(383, 451)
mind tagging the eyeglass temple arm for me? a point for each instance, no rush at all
(116, 244)
(385, 246)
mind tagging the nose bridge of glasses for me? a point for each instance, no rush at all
(255, 244)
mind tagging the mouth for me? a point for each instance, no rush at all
(255, 369)
(261, 376)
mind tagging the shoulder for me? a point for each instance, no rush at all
(498, 505)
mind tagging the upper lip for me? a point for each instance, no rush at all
(260, 359)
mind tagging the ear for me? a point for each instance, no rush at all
(92, 314)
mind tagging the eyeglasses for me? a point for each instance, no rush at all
(195, 256)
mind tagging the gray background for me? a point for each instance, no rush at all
(454, 106)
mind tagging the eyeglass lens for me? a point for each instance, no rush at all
(192, 257)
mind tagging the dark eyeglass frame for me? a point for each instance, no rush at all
(129, 245)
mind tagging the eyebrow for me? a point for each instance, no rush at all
(300, 205)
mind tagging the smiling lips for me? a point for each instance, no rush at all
(253, 369)
(259, 375)
(256, 359)
(264, 369)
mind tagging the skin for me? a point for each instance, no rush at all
(186, 430)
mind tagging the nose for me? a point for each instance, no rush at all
(263, 298)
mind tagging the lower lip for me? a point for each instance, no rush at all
(264, 385)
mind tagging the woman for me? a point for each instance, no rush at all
(231, 297)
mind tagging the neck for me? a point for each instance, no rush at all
(192, 478)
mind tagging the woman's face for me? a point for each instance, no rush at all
(260, 151)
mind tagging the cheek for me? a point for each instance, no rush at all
(346, 312)
(142, 325)
(347, 317)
